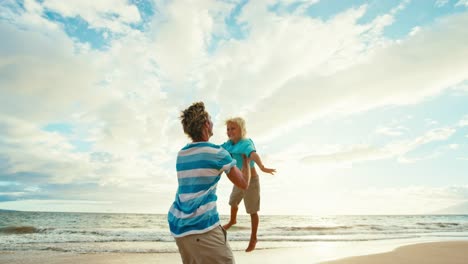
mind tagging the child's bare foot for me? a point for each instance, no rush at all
(252, 244)
(228, 225)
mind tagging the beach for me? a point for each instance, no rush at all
(447, 252)
(41, 237)
(428, 253)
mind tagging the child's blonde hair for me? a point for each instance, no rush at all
(240, 122)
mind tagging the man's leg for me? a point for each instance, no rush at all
(207, 248)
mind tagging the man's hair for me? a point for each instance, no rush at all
(193, 119)
(240, 122)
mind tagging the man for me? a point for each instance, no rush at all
(193, 217)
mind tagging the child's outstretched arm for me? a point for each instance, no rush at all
(255, 157)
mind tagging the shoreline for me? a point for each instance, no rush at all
(447, 252)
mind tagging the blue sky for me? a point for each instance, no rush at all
(361, 106)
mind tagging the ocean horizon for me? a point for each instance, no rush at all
(149, 233)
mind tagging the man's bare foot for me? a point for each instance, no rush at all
(252, 245)
(228, 225)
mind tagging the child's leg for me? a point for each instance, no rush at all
(252, 206)
(236, 197)
(253, 235)
(233, 218)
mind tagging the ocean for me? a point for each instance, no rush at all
(149, 233)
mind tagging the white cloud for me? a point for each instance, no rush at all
(180, 35)
(415, 31)
(395, 149)
(441, 3)
(463, 86)
(386, 78)
(462, 3)
(417, 199)
(51, 159)
(125, 100)
(454, 146)
(430, 122)
(113, 99)
(391, 131)
(279, 48)
(332, 199)
(115, 15)
(30, 150)
(45, 63)
(463, 122)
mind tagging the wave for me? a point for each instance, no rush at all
(16, 230)
(360, 228)
(314, 228)
(438, 225)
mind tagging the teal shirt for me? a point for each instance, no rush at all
(244, 146)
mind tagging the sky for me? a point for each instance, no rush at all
(361, 106)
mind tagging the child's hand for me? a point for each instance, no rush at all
(268, 170)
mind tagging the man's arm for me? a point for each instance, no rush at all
(255, 157)
(239, 178)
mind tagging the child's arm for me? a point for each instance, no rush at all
(255, 157)
(240, 178)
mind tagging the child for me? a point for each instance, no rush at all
(237, 145)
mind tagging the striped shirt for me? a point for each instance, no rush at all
(199, 167)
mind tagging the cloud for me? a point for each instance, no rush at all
(441, 3)
(246, 72)
(398, 148)
(45, 63)
(120, 109)
(463, 122)
(114, 15)
(340, 200)
(417, 199)
(115, 159)
(391, 131)
(113, 99)
(48, 157)
(282, 72)
(180, 37)
(454, 146)
(462, 3)
(402, 73)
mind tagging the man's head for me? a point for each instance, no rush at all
(197, 122)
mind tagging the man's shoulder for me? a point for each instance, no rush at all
(200, 147)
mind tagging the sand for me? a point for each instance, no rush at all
(427, 253)
(436, 252)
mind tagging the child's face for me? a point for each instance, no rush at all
(233, 132)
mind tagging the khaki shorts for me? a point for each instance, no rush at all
(207, 248)
(251, 196)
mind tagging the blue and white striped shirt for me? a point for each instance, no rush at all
(199, 167)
